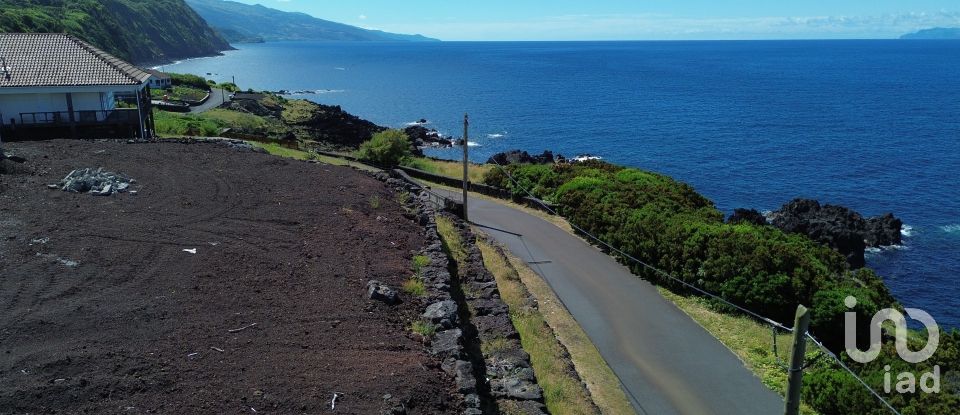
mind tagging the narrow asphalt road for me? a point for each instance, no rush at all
(217, 98)
(667, 362)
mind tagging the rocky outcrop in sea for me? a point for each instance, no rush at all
(522, 157)
(838, 227)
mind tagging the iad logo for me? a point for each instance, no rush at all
(906, 381)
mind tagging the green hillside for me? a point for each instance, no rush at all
(254, 23)
(141, 31)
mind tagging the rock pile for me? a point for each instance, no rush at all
(94, 181)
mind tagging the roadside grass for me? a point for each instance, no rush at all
(751, 341)
(542, 331)
(448, 168)
(451, 237)
(557, 221)
(281, 151)
(415, 287)
(423, 328)
(419, 262)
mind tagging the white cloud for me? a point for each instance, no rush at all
(649, 26)
(362, 17)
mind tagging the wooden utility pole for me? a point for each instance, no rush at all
(466, 163)
(797, 360)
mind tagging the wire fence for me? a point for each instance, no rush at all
(824, 351)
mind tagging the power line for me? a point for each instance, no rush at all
(642, 263)
(775, 324)
(827, 352)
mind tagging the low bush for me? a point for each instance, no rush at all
(668, 225)
(386, 148)
(190, 80)
(170, 124)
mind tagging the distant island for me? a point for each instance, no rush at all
(935, 33)
(244, 23)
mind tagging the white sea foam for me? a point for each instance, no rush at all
(340, 68)
(951, 228)
(473, 144)
(497, 135)
(873, 250)
(906, 231)
(329, 91)
(586, 157)
(416, 123)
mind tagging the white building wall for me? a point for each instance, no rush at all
(12, 105)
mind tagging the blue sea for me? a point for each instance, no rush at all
(872, 125)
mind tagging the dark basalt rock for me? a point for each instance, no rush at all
(379, 291)
(421, 136)
(751, 216)
(521, 157)
(333, 125)
(838, 227)
(884, 230)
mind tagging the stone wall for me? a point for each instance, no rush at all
(468, 314)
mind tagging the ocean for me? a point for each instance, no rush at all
(873, 125)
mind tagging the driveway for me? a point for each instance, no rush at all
(217, 98)
(667, 363)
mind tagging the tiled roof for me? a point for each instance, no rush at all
(52, 59)
(157, 74)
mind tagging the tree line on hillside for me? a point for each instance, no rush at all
(140, 31)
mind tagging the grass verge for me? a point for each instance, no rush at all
(415, 287)
(751, 341)
(281, 151)
(557, 221)
(544, 333)
(448, 168)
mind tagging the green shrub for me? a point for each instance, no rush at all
(185, 125)
(419, 262)
(415, 287)
(189, 80)
(670, 226)
(424, 328)
(386, 148)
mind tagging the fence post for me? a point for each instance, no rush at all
(795, 380)
(466, 177)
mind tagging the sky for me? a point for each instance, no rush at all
(635, 19)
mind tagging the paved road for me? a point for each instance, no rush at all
(666, 361)
(217, 97)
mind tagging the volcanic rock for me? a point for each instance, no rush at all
(838, 227)
(751, 216)
(379, 291)
(521, 157)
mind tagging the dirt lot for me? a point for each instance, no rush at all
(102, 310)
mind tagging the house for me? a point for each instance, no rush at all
(55, 85)
(159, 80)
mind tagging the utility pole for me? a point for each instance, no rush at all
(797, 360)
(466, 163)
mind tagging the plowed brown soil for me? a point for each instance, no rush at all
(102, 310)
